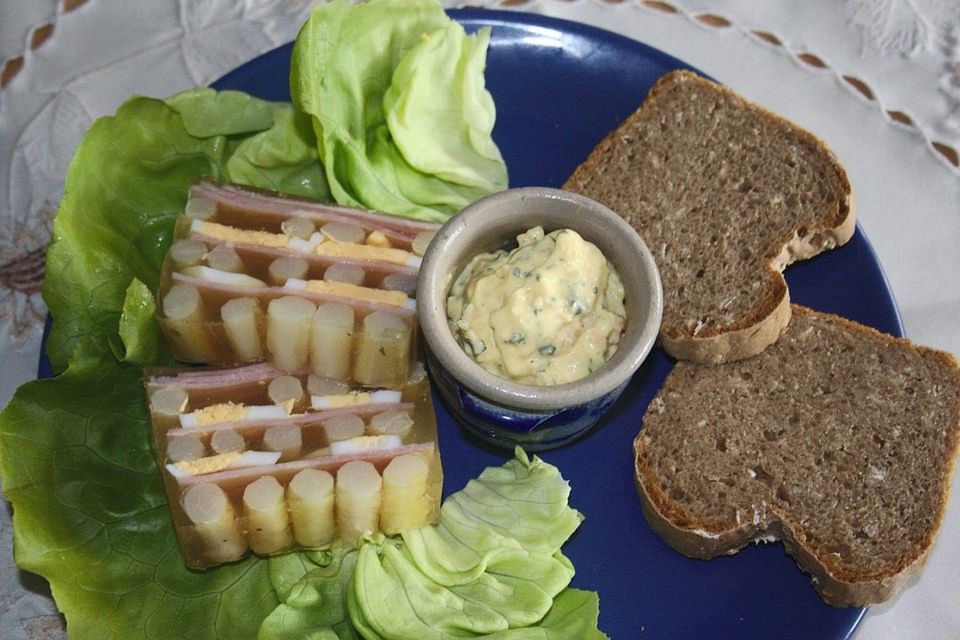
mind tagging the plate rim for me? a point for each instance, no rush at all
(479, 17)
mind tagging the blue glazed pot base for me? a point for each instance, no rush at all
(505, 427)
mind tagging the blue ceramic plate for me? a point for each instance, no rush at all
(559, 88)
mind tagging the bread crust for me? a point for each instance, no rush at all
(733, 343)
(703, 544)
(757, 328)
(704, 539)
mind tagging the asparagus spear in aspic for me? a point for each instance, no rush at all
(184, 318)
(383, 351)
(285, 391)
(391, 423)
(225, 258)
(310, 498)
(187, 253)
(268, 525)
(285, 268)
(227, 441)
(405, 503)
(288, 332)
(348, 273)
(358, 496)
(331, 340)
(185, 447)
(285, 438)
(242, 318)
(210, 511)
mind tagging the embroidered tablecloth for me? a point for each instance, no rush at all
(879, 80)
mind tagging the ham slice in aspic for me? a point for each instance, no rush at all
(257, 260)
(254, 276)
(246, 207)
(232, 479)
(205, 378)
(307, 459)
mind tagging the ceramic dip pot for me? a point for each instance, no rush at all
(508, 413)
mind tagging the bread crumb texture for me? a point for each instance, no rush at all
(725, 194)
(837, 438)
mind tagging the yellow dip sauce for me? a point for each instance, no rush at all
(549, 312)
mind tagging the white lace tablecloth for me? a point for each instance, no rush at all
(879, 80)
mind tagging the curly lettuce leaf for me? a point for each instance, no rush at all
(482, 571)
(491, 565)
(525, 500)
(395, 599)
(418, 113)
(573, 617)
(312, 588)
(520, 505)
(402, 117)
(271, 145)
(282, 158)
(126, 184)
(91, 513)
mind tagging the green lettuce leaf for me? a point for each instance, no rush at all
(126, 184)
(418, 113)
(402, 117)
(207, 113)
(312, 588)
(395, 599)
(282, 158)
(129, 180)
(138, 329)
(91, 513)
(573, 617)
(521, 505)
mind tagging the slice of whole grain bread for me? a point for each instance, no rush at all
(725, 194)
(838, 440)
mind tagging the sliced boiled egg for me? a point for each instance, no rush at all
(223, 461)
(231, 412)
(233, 234)
(364, 443)
(209, 274)
(368, 252)
(355, 398)
(356, 292)
(309, 245)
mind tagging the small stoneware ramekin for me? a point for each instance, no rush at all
(507, 413)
